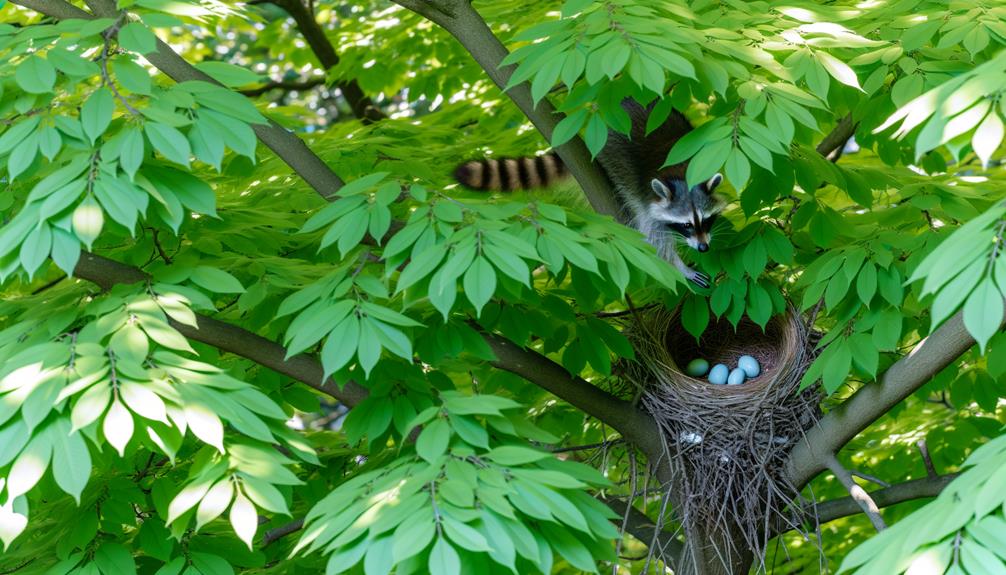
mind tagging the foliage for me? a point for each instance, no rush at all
(138, 433)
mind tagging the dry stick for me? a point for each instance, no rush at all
(858, 494)
(628, 506)
(642, 527)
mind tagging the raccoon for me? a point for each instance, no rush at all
(508, 174)
(654, 200)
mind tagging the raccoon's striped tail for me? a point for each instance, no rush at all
(509, 174)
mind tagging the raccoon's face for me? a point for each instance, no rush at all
(689, 214)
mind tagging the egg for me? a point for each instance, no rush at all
(736, 377)
(718, 374)
(749, 365)
(697, 367)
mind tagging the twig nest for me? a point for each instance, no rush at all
(734, 473)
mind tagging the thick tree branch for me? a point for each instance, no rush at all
(870, 402)
(856, 492)
(534, 367)
(897, 493)
(635, 426)
(462, 21)
(281, 141)
(304, 368)
(362, 106)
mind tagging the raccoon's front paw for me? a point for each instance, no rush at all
(698, 278)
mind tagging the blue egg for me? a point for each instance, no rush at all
(736, 377)
(697, 367)
(718, 374)
(749, 365)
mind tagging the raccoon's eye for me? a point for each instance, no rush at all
(687, 226)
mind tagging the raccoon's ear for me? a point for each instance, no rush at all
(661, 190)
(713, 183)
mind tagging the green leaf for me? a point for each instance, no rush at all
(341, 345)
(412, 536)
(71, 460)
(838, 69)
(131, 157)
(137, 38)
(171, 143)
(568, 127)
(91, 405)
(132, 76)
(215, 280)
(118, 426)
(216, 500)
(695, 315)
(444, 560)
(96, 113)
(983, 312)
(29, 467)
(115, 559)
(480, 283)
(433, 440)
(866, 283)
(35, 75)
(35, 248)
(228, 74)
(837, 366)
(596, 135)
(205, 424)
(464, 535)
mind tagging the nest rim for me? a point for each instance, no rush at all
(775, 347)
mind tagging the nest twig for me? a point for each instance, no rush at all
(727, 444)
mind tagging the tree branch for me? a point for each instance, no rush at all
(282, 531)
(304, 368)
(463, 22)
(897, 493)
(363, 107)
(635, 426)
(870, 402)
(836, 139)
(287, 146)
(283, 85)
(856, 492)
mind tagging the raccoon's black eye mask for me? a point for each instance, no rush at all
(686, 229)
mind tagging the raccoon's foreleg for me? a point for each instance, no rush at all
(698, 278)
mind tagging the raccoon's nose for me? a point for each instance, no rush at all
(702, 247)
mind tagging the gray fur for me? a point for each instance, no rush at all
(652, 197)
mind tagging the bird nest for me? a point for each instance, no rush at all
(727, 444)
